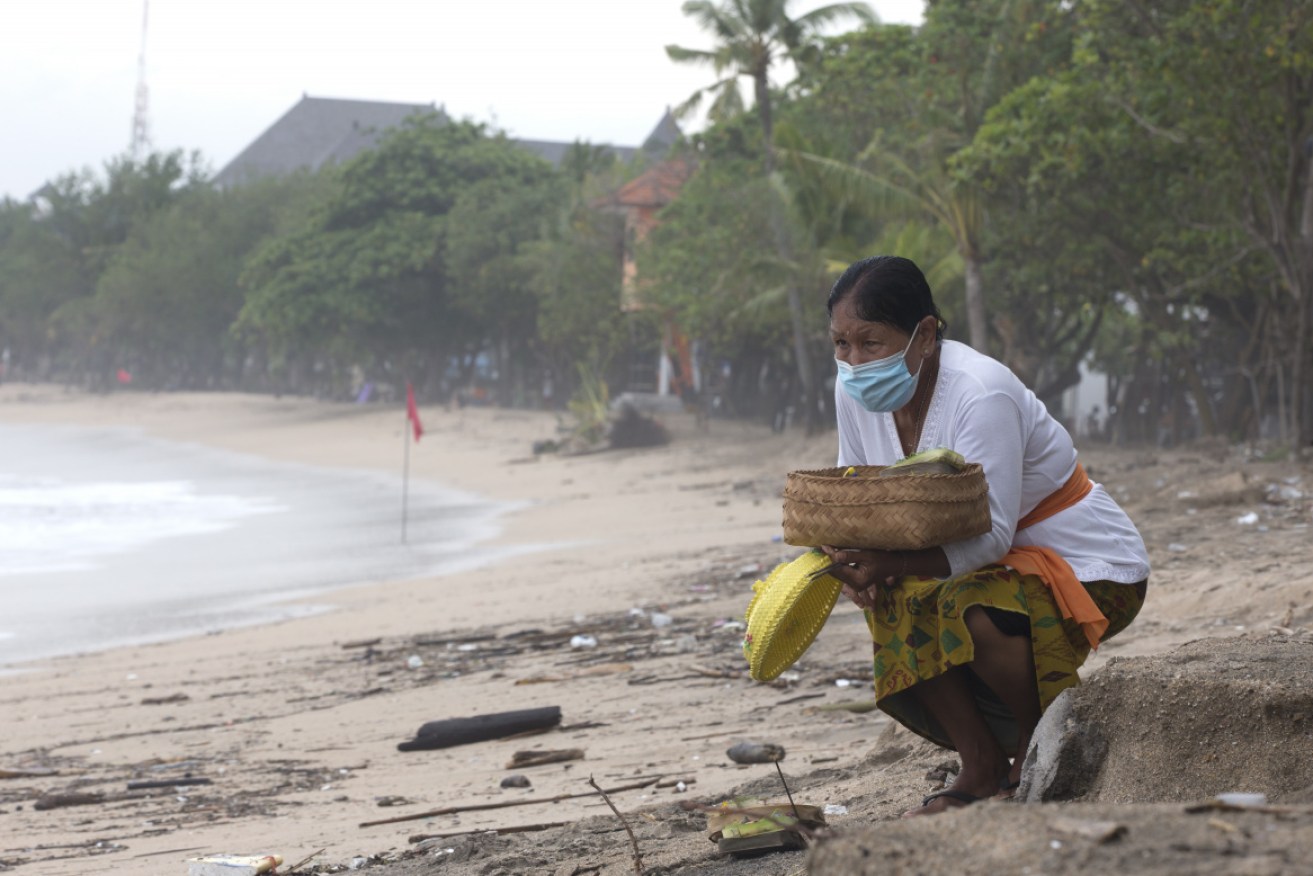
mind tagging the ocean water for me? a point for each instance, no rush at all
(109, 537)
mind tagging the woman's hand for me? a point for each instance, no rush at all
(861, 572)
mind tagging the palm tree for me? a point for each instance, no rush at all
(953, 204)
(752, 37)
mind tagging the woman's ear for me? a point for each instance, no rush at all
(928, 334)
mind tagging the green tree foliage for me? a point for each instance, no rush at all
(1163, 163)
(752, 37)
(368, 280)
(711, 261)
(40, 271)
(166, 301)
(575, 272)
(54, 249)
(1229, 85)
(490, 274)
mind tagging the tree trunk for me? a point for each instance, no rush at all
(1304, 273)
(1203, 405)
(805, 374)
(977, 327)
(1299, 428)
(796, 315)
(761, 90)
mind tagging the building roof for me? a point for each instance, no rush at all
(657, 186)
(665, 135)
(320, 130)
(317, 131)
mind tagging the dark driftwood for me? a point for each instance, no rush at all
(57, 801)
(476, 807)
(167, 783)
(541, 758)
(26, 772)
(480, 728)
(518, 828)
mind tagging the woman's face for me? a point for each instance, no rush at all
(857, 341)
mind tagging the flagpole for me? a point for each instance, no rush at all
(405, 474)
(415, 428)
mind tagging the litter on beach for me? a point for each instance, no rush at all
(233, 865)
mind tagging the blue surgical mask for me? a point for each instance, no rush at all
(883, 385)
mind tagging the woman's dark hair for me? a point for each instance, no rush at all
(887, 289)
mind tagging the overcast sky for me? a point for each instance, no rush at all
(220, 72)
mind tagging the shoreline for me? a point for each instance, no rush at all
(235, 539)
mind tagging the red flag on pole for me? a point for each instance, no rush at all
(412, 412)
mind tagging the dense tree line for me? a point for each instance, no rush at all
(1114, 183)
(447, 256)
(1109, 182)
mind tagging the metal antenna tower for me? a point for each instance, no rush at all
(140, 129)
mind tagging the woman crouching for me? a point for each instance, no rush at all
(973, 639)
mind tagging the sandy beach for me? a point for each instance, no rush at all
(295, 725)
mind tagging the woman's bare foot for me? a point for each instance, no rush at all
(969, 787)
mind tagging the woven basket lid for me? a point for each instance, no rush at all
(787, 611)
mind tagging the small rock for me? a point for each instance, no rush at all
(516, 781)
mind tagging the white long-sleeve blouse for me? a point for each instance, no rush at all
(984, 412)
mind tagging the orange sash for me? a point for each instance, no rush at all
(1071, 596)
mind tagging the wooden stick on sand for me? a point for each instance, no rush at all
(475, 807)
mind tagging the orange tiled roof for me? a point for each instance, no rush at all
(656, 187)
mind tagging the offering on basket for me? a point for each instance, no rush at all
(928, 499)
(787, 610)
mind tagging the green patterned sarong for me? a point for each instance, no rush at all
(918, 632)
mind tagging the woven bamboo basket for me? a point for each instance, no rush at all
(908, 512)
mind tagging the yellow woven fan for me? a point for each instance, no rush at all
(787, 611)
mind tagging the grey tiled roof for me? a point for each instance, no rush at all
(315, 132)
(320, 130)
(663, 136)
